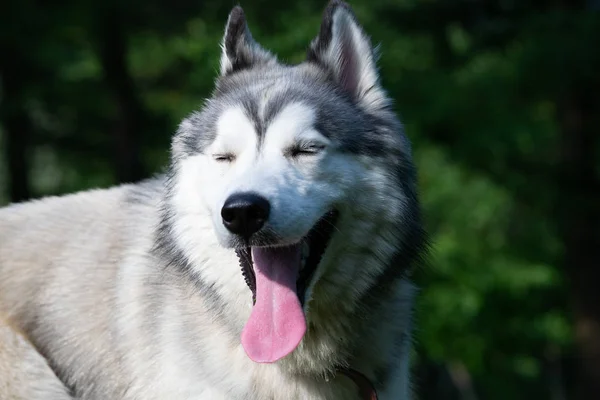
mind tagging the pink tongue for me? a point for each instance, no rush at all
(276, 325)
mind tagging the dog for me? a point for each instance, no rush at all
(271, 260)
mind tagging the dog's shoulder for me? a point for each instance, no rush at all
(71, 231)
(81, 210)
(58, 209)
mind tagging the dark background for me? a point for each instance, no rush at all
(501, 101)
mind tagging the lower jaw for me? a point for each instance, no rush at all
(317, 241)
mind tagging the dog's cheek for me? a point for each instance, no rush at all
(339, 179)
(298, 207)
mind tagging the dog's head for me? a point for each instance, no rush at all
(303, 170)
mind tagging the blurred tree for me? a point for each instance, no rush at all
(111, 39)
(17, 127)
(548, 64)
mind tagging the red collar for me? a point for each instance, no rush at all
(365, 387)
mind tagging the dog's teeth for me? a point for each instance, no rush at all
(304, 255)
(305, 250)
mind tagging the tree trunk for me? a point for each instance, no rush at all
(111, 40)
(579, 224)
(17, 126)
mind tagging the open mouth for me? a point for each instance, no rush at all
(278, 278)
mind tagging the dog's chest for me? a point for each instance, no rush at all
(340, 387)
(234, 378)
(252, 384)
(337, 389)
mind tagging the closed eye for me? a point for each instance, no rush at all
(306, 149)
(226, 157)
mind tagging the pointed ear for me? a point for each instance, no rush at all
(239, 50)
(345, 51)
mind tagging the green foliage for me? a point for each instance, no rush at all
(482, 303)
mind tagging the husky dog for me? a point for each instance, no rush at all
(271, 261)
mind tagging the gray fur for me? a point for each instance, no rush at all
(103, 298)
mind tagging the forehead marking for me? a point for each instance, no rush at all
(294, 120)
(235, 131)
(266, 95)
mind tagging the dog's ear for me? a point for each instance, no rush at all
(239, 50)
(345, 51)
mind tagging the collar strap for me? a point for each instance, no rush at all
(365, 386)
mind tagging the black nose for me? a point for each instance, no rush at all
(245, 213)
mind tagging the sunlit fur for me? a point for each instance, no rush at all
(135, 292)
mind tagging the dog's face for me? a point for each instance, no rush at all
(294, 165)
(299, 172)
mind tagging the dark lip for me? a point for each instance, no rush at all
(317, 238)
